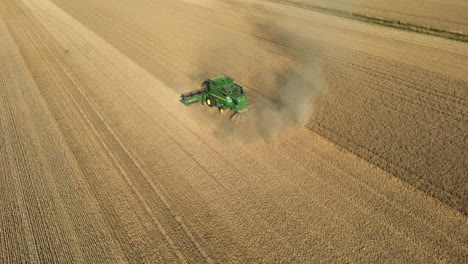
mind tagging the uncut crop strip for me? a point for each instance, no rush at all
(379, 21)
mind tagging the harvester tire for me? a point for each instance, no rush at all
(210, 101)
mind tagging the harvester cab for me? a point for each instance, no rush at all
(220, 92)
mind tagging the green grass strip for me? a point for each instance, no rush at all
(379, 21)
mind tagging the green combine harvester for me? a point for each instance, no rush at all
(219, 92)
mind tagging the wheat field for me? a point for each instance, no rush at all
(363, 160)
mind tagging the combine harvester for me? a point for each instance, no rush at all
(219, 92)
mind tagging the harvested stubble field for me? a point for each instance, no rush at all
(100, 163)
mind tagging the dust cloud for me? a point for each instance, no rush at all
(281, 99)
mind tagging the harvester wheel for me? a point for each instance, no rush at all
(221, 110)
(210, 101)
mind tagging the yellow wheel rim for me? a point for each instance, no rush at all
(221, 110)
(208, 101)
